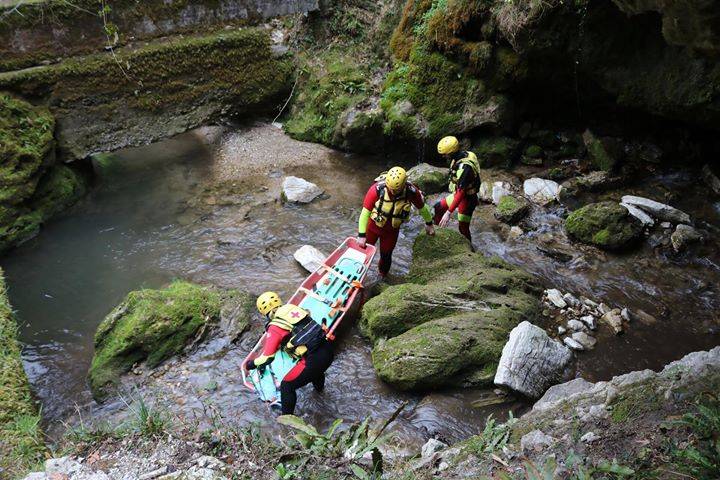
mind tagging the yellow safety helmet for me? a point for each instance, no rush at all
(267, 302)
(396, 178)
(448, 145)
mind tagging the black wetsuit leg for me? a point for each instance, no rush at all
(316, 363)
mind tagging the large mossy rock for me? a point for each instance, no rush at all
(607, 225)
(151, 326)
(448, 325)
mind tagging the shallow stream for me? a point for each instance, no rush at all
(203, 207)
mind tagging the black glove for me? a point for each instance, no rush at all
(250, 365)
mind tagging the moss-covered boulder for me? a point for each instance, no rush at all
(460, 350)
(151, 326)
(428, 178)
(512, 209)
(448, 324)
(607, 225)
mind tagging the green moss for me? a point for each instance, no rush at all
(446, 351)
(448, 326)
(84, 31)
(149, 325)
(329, 85)
(445, 243)
(495, 151)
(22, 444)
(436, 86)
(606, 225)
(534, 151)
(511, 209)
(635, 402)
(26, 140)
(235, 64)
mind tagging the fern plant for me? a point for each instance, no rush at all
(702, 460)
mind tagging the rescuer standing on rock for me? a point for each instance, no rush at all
(464, 186)
(386, 207)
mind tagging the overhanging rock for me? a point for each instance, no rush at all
(104, 102)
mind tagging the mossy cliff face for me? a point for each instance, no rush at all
(606, 225)
(150, 326)
(448, 325)
(105, 102)
(21, 444)
(45, 30)
(32, 187)
(480, 68)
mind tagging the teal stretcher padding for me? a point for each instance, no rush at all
(265, 383)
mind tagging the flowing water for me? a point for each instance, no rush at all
(203, 207)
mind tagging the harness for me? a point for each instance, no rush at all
(468, 159)
(306, 335)
(396, 209)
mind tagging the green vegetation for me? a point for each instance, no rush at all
(329, 84)
(150, 325)
(702, 458)
(495, 151)
(22, 445)
(90, 25)
(26, 140)
(31, 189)
(493, 437)
(246, 70)
(606, 225)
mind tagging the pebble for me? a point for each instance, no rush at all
(603, 309)
(587, 341)
(589, 437)
(589, 303)
(561, 330)
(571, 300)
(573, 344)
(666, 225)
(589, 321)
(516, 232)
(625, 314)
(556, 298)
(614, 320)
(576, 325)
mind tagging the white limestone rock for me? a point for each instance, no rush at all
(541, 191)
(531, 361)
(298, 190)
(659, 210)
(309, 257)
(644, 218)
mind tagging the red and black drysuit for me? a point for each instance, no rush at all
(464, 198)
(309, 369)
(387, 234)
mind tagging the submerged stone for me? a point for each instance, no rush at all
(606, 225)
